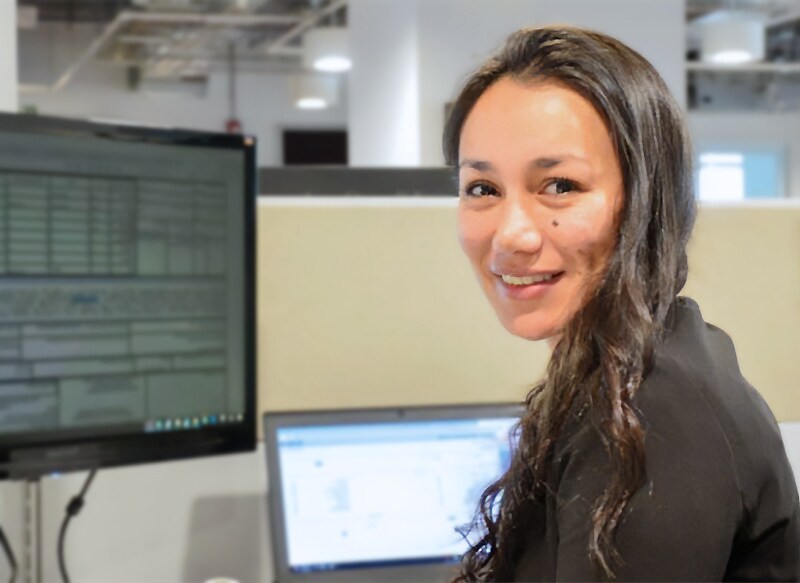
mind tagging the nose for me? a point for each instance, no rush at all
(518, 231)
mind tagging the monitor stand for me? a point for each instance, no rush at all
(21, 518)
(30, 561)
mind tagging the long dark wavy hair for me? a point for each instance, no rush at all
(607, 347)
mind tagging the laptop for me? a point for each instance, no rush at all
(380, 494)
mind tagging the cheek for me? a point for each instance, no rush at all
(473, 234)
(587, 242)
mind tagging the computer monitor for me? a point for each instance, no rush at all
(380, 494)
(127, 308)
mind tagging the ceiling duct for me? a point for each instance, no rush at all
(166, 44)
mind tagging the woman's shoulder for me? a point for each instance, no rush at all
(700, 411)
(696, 401)
(696, 376)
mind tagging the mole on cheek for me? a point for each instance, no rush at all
(555, 223)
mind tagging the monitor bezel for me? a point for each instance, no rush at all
(275, 420)
(30, 455)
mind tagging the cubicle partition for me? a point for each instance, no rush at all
(369, 301)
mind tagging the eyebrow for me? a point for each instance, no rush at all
(479, 165)
(544, 163)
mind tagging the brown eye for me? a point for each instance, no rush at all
(560, 186)
(480, 189)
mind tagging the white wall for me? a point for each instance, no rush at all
(184, 521)
(383, 90)
(100, 91)
(412, 56)
(8, 55)
(791, 439)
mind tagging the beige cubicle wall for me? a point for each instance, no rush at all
(366, 302)
(744, 270)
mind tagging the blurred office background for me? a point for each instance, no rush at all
(365, 300)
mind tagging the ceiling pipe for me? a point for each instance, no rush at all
(252, 63)
(97, 44)
(777, 68)
(279, 45)
(124, 18)
(235, 20)
(162, 65)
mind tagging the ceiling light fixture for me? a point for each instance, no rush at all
(311, 103)
(313, 90)
(731, 37)
(327, 49)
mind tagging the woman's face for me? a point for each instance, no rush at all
(540, 187)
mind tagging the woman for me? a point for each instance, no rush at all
(643, 454)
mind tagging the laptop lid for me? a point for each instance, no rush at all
(379, 494)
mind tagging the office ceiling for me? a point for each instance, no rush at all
(72, 11)
(99, 11)
(176, 39)
(183, 39)
(770, 8)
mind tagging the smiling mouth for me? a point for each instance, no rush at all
(531, 279)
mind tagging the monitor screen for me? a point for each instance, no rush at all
(126, 294)
(380, 489)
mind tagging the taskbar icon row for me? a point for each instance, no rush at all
(191, 422)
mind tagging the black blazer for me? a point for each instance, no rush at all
(720, 501)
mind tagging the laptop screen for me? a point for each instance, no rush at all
(368, 492)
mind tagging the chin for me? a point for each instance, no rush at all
(532, 330)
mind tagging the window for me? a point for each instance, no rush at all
(737, 174)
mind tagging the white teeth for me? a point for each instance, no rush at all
(526, 280)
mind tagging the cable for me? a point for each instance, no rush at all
(12, 561)
(74, 506)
